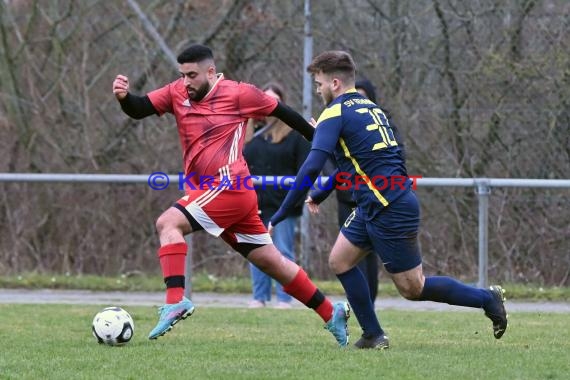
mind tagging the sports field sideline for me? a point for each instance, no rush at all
(51, 296)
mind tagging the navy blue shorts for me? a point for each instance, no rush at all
(392, 234)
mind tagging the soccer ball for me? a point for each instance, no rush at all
(113, 326)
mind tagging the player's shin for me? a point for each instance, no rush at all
(172, 261)
(449, 290)
(358, 295)
(304, 290)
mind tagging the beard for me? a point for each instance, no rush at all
(199, 93)
(326, 95)
(326, 98)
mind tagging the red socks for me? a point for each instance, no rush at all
(303, 289)
(173, 263)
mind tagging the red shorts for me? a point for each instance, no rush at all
(231, 214)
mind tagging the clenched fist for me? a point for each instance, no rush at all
(121, 86)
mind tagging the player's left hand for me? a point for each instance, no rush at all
(313, 122)
(270, 229)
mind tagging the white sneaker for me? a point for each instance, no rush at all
(255, 304)
(283, 305)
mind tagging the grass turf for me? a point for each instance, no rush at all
(55, 342)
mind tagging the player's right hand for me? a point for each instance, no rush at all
(121, 87)
(312, 206)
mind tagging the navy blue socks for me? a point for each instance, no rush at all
(448, 290)
(358, 295)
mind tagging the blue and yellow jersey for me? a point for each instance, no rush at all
(368, 153)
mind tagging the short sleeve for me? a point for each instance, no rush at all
(254, 103)
(161, 99)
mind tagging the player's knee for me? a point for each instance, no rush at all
(337, 265)
(410, 291)
(166, 227)
(161, 224)
(411, 295)
(172, 223)
(408, 287)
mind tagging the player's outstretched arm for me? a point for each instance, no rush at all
(137, 107)
(322, 193)
(303, 182)
(293, 119)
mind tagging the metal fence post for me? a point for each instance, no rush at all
(305, 238)
(188, 267)
(483, 191)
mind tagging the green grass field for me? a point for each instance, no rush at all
(55, 342)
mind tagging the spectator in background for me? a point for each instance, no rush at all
(366, 88)
(274, 151)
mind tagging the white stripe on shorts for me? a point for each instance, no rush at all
(205, 221)
(254, 239)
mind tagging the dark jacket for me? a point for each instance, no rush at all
(282, 159)
(368, 87)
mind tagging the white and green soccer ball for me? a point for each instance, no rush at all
(113, 326)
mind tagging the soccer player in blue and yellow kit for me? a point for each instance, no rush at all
(386, 220)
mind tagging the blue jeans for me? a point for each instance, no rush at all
(284, 239)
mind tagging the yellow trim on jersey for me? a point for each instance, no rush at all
(335, 110)
(360, 172)
(330, 112)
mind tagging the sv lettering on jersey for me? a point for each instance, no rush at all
(357, 101)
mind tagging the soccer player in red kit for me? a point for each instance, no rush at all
(211, 115)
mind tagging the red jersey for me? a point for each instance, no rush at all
(212, 131)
